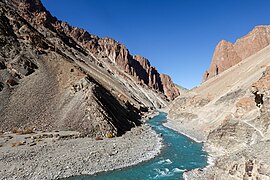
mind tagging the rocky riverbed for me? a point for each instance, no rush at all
(50, 156)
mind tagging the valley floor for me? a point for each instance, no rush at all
(52, 159)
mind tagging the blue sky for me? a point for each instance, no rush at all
(177, 36)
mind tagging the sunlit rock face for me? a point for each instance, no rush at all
(56, 76)
(227, 54)
(230, 110)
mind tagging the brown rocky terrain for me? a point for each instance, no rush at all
(227, 54)
(55, 76)
(230, 113)
(101, 48)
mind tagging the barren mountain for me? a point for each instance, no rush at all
(55, 76)
(230, 112)
(227, 54)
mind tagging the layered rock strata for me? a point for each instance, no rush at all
(55, 76)
(102, 48)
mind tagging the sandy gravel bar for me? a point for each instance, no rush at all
(65, 158)
(192, 134)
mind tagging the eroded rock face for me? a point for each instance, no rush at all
(170, 89)
(57, 77)
(227, 54)
(106, 47)
(149, 74)
(253, 42)
(241, 136)
(235, 166)
(224, 57)
(235, 122)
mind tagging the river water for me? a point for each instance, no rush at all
(179, 154)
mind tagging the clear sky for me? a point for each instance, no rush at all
(177, 36)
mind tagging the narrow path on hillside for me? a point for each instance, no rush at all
(261, 133)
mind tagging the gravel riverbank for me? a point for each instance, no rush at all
(192, 134)
(72, 157)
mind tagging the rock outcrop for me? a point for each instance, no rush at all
(224, 57)
(240, 138)
(227, 54)
(231, 112)
(106, 47)
(169, 87)
(57, 77)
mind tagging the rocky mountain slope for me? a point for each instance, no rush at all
(55, 76)
(227, 54)
(230, 112)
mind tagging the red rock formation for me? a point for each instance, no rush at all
(205, 76)
(253, 42)
(151, 76)
(143, 61)
(170, 90)
(227, 54)
(224, 57)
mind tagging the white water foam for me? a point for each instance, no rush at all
(178, 170)
(163, 173)
(167, 173)
(166, 161)
(210, 161)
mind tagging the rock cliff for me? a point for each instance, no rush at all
(227, 54)
(56, 77)
(106, 47)
(230, 112)
(169, 87)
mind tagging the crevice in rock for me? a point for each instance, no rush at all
(258, 96)
(12, 82)
(249, 167)
(259, 99)
(30, 66)
(1, 86)
(2, 65)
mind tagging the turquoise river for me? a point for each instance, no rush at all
(179, 154)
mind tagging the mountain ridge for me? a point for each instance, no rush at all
(55, 76)
(103, 47)
(227, 54)
(230, 112)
